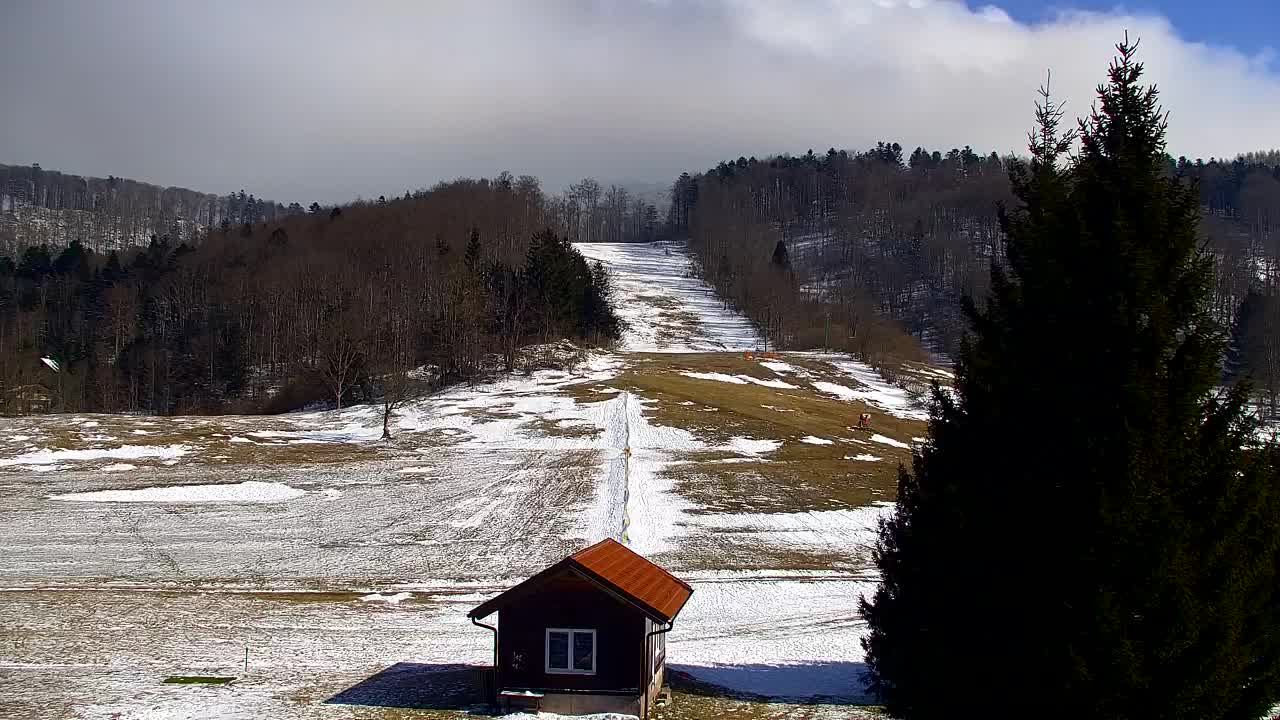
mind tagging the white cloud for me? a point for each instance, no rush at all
(326, 100)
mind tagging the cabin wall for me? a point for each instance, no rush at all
(571, 602)
(656, 658)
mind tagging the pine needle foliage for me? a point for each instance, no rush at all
(1091, 531)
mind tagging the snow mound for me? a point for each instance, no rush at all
(127, 452)
(250, 491)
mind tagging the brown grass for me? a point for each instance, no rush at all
(797, 475)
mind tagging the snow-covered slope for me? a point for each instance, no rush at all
(137, 548)
(665, 307)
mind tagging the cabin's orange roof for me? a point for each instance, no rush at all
(610, 564)
(636, 577)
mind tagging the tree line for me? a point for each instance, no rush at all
(886, 235)
(271, 315)
(47, 207)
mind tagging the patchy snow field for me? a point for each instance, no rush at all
(138, 548)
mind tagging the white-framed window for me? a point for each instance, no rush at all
(571, 651)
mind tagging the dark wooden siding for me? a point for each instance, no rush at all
(569, 601)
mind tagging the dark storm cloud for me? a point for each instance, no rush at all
(325, 101)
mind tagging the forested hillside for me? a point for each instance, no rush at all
(269, 315)
(907, 237)
(46, 207)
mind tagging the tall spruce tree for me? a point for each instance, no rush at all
(1089, 532)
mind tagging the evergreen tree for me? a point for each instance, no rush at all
(472, 255)
(780, 257)
(1087, 533)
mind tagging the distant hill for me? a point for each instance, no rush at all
(47, 207)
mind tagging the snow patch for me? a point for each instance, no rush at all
(389, 599)
(865, 457)
(748, 446)
(127, 452)
(250, 491)
(119, 467)
(811, 440)
(738, 379)
(880, 393)
(851, 529)
(890, 441)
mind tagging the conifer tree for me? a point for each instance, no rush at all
(780, 257)
(1089, 532)
(472, 255)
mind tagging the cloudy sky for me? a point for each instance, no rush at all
(319, 100)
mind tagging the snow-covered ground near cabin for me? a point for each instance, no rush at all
(138, 548)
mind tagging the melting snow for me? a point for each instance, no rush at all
(850, 529)
(811, 440)
(780, 367)
(880, 393)
(737, 379)
(889, 441)
(250, 491)
(646, 277)
(389, 599)
(844, 393)
(119, 467)
(748, 446)
(865, 457)
(130, 452)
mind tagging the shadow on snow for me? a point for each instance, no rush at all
(455, 686)
(775, 683)
(425, 686)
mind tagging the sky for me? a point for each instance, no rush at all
(321, 100)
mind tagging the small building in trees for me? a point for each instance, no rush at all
(27, 399)
(585, 635)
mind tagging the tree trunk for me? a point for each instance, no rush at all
(386, 422)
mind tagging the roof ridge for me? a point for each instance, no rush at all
(664, 571)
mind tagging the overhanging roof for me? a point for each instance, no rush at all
(656, 592)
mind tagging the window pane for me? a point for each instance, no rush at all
(583, 650)
(558, 650)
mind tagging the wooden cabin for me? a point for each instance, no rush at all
(27, 399)
(586, 635)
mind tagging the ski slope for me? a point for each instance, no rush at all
(138, 548)
(665, 307)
